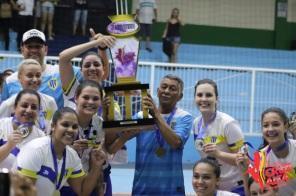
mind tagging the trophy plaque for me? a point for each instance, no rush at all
(124, 56)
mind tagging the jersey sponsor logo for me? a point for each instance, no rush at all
(173, 124)
(53, 83)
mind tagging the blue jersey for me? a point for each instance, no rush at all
(50, 85)
(163, 175)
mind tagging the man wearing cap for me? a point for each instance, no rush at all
(34, 46)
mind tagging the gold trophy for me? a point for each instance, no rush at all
(124, 56)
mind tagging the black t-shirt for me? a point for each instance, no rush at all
(174, 29)
(80, 4)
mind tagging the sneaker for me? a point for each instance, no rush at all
(149, 49)
(50, 38)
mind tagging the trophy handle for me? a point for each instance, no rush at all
(145, 110)
(111, 115)
(127, 102)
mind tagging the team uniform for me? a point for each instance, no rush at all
(289, 187)
(95, 133)
(69, 99)
(50, 85)
(48, 107)
(36, 161)
(226, 133)
(161, 175)
(6, 129)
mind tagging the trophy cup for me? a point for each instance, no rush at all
(124, 56)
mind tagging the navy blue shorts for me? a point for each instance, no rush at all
(145, 30)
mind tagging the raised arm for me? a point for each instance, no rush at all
(103, 54)
(65, 57)
(114, 142)
(105, 61)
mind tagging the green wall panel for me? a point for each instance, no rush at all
(279, 38)
(283, 34)
(221, 36)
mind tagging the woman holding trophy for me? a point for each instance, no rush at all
(88, 99)
(93, 66)
(88, 96)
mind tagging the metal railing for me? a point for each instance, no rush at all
(244, 93)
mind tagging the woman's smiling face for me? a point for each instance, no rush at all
(88, 101)
(92, 68)
(27, 107)
(30, 76)
(204, 180)
(205, 98)
(66, 128)
(273, 128)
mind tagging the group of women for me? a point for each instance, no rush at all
(45, 157)
(226, 162)
(65, 151)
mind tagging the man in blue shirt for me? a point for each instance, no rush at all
(159, 152)
(34, 46)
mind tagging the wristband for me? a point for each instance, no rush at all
(102, 48)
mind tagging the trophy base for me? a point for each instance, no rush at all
(129, 125)
(125, 87)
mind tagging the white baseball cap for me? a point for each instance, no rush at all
(33, 33)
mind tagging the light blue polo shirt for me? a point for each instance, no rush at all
(50, 85)
(161, 175)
